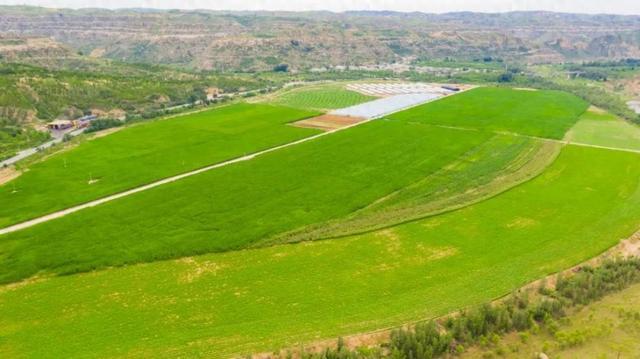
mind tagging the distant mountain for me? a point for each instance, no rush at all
(261, 40)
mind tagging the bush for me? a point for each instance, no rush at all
(102, 124)
(505, 77)
(281, 68)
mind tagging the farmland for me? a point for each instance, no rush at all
(237, 206)
(603, 129)
(546, 114)
(261, 299)
(439, 207)
(320, 97)
(145, 153)
(234, 206)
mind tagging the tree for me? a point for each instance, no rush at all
(281, 68)
(505, 77)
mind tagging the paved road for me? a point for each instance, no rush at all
(32, 151)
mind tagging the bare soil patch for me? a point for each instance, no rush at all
(328, 122)
(597, 109)
(7, 174)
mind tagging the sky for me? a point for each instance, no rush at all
(630, 7)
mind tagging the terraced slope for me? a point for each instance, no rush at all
(144, 153)
(245, 301)
(547, 114)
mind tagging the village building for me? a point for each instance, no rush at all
(59, 125)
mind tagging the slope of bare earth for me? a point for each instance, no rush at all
(259, 40)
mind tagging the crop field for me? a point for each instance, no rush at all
(439, 207)
(262, 299)
(145, 153)
(604, 129)
(235, 206)
(547, 114)
(321, 97)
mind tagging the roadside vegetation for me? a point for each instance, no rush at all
(14, 137)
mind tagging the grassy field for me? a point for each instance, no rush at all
(235, 206)
(606, 329)
(495, 166)
(546, 114)
(604, 129)
(145, 153)
(321, 97)
(253, 300)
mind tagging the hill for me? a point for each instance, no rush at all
(260, 40)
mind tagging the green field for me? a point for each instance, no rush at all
(604, 129)
(235, 206)
(495, 166)
(258, 200)
(144, 153)
(320, 97)
(546, 114)
(253, 300)
(439, 207)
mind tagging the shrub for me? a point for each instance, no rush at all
(102, 124)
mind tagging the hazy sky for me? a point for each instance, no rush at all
(582, 6)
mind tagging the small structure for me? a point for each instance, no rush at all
(59, 125)
(213, 93)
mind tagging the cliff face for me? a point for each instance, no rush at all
(259, 40)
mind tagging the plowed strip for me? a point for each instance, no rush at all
(328, 122)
